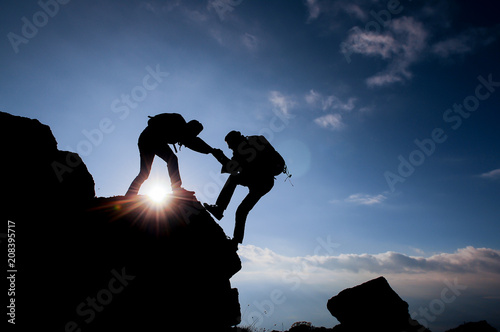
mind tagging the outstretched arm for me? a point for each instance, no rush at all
(220, 156)
(198, 145)
(230, 166)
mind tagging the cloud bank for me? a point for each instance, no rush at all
(464, 260)
(479, 268)
(468, 279)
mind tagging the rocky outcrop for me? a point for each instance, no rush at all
(35, 172)
(179, 260)
(372, 306)
(108, 264)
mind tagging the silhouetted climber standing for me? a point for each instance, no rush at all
(163, 129)
(254, 164)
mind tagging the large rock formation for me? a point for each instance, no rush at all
(372, 306)
(107, 264)
(34, 170)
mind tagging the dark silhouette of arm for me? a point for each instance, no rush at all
(232, 166)
(228, 165)
(220, 156)
(198, 145)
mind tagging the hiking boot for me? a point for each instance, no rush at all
(216, 211)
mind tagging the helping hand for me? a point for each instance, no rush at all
(219, 155)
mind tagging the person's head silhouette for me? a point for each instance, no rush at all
(193, 128)
(233, 139)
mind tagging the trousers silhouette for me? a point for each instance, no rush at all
(257, 187)
(147, 153)
(163, 129)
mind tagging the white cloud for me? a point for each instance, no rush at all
(330, 102)
(401, 43)
(370, 43)
(336, 9)
(466, 41)
(458, 45)
(492, 175)
(314, 9)
(333, 102)
(223, 8)
(365, 199)
(469, 260)
(354, 10)
(313, 97)
(281, 103)
(250, 41)
(330, 121)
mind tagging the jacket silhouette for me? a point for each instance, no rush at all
(252, 165)
(164, 129)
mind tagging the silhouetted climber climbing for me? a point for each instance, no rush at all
(163, 129)
(254, 164)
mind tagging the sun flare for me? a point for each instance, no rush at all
(158, 194)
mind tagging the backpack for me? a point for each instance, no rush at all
(167, 121)
(168, 125)
(269, 157)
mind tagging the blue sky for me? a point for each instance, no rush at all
(385, 111)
